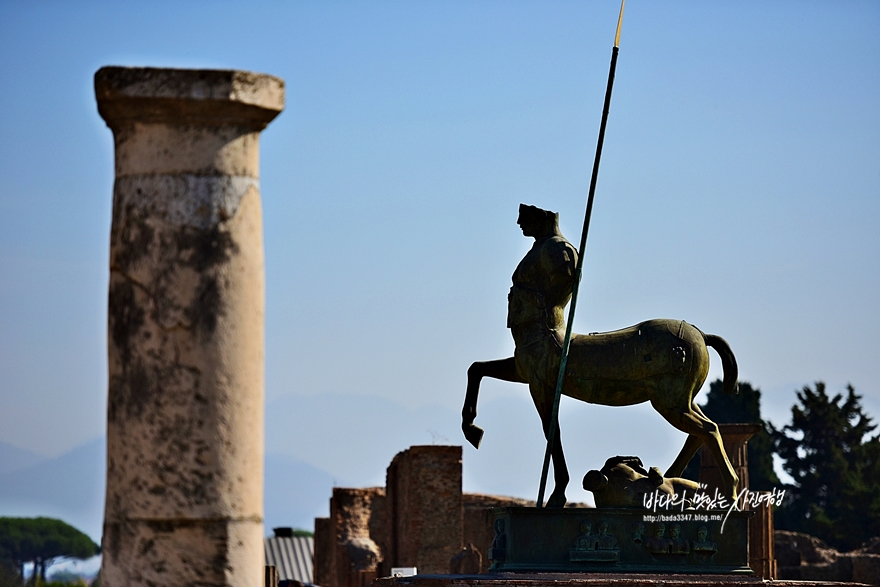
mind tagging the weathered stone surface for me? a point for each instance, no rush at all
(198, 96)
(804, 557)
(325, 546)
(865, 568)
(186, 319)
(138, 552)
(356, 553)
(424, 498)
(796, 548)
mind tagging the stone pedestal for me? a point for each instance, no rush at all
(617, 540)
(185, 410)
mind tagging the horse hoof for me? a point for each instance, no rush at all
(473, 434)
(557, 500)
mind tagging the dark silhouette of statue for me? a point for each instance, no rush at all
(664, 362)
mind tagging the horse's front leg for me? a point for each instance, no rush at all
(560, 475)
(503, 369)
(544, 403)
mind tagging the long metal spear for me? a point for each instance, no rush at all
(554, 417)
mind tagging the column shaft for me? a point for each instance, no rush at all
(186, 320)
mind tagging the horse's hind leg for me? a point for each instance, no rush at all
(705, 430)
(503, 369)
(690, 448)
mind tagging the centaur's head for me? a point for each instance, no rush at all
(537, 222)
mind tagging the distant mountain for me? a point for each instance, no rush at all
(13, 458)
(69, 487)
(295, 493)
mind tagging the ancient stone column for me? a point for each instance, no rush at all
(185, 412)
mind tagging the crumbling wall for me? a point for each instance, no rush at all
(806, 558)
(421, 519)
(357, 555)
(424, 499)
(325, 541)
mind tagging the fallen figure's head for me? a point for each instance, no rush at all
(623, 482)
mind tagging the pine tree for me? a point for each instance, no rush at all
(835, 466)
(42, 540)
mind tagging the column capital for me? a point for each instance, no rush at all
(206, 97)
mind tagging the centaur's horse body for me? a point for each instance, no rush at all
(656, 361)
(662, 361)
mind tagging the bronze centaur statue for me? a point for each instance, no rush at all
(664, 362)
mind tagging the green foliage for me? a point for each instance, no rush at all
(41, 540)
(301, 532)
(60, 578)
(835, 466)
(9, 577)
(743, 407)
(74, 582)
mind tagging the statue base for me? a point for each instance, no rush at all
(595, 580)
(529, 539)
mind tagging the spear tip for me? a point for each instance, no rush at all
(619, 23)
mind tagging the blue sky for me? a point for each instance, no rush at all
(739, 190)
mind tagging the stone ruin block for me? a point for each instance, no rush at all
(425, 511)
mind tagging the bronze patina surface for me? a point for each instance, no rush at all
(620, 540)
(661, 361)
(623, 482)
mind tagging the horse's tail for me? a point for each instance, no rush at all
(728, 362)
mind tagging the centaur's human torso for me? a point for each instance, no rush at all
(602, 368)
